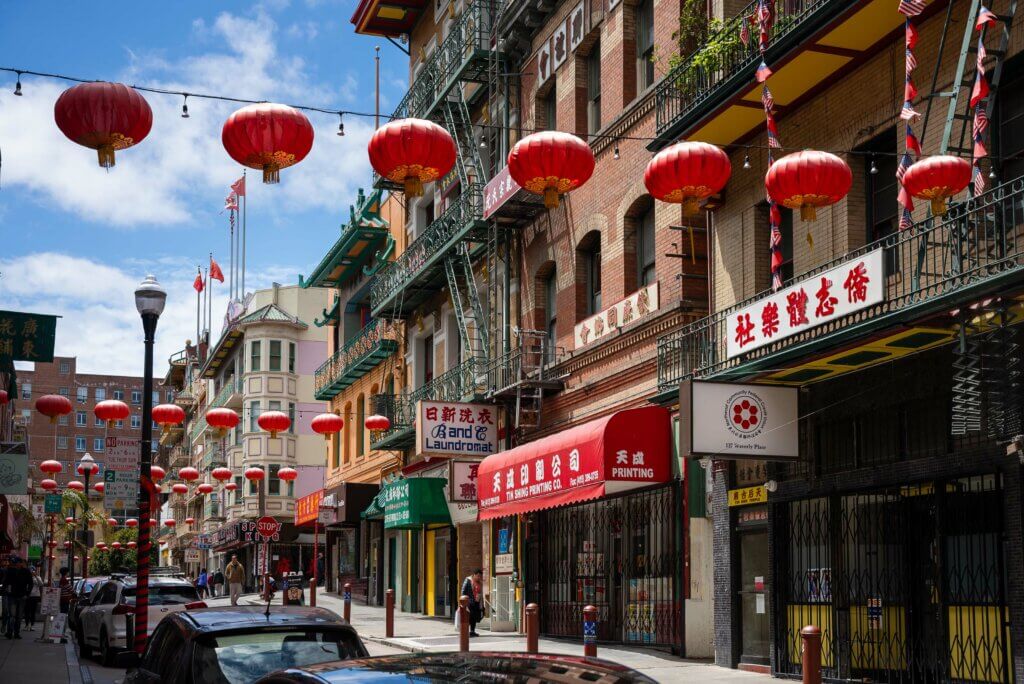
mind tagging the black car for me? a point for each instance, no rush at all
(232, 645)
(466, 668)
(83, 589)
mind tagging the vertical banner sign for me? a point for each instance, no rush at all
(27, 336)
(52, 503)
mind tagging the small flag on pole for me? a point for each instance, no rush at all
(238, 187)
(215, 271)
(911, 8)
(231, 202)
(985, 18)
(197, 285)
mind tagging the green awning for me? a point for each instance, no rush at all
(413, 502)
(375, 511)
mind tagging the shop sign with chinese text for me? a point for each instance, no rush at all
(747, 496)
(446, 428)
(634, 307)
(27, 336)
(840, 291)
(307, 509)
(499, 190)
(462, 482)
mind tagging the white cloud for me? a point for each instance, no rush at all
(306, 30)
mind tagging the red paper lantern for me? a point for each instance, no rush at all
(116, 546)
(53, 543)
(48, 484)
(53, 406)
(267, 136)
(412, 152)
(287, 474)
(166, 415)
(204, 488)
(131, 522)
(807, 180)
(68, 520)
(3, 397)
(687, 173)
(551, 163)
(111, 411)
(221, 474)
(132, 545)
(104, 117)
(327, 424)
(188, 474)
(159, 488)
(152, 522)
(179, 488)
(112, 522)
(51, 467)
(253, 474)
(90, 466)
(189, 521)
(274, 422)
(76, 485)
(157, 473)
(937, 179)
(170, 522)
(377, 422)
(230, 486)
(223, 419)
(99, 487)
(77, 559)
(101, 545)
(92, 522)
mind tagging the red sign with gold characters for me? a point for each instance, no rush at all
(308, 508)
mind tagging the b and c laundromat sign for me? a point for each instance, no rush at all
(726, 420)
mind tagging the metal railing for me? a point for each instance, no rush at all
(213, 457)
(929, 266)
(179, 358)
(377, 336)
(439, 237)
(529, 363)
(723, 62)
(213, 508)
(178, 458)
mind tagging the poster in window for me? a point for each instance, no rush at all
(819, 585)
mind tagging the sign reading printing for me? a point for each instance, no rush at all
(752, 421)
(852, 286)
(445, 428)
(123, 454)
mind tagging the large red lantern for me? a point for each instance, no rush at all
(412, 152)
(51, 467)
(48, 484)
(687, 173)
(112, 522)
(551, 163)
(327, 424)
(221, 474)
(190, 521)
(254, 474)
(287, 474)
(937, 179)
(131, 522)
(157, 473)
(268, 136)
(53, 406)
(274, 422)
(179, 488)
(166, 415)
(377, 422)
(111, 410)
(223, 419)
(76, 485)
(230, 486)
(204, 488)
(188, 474)
(104, 117)
(807, 180)
(170, 522)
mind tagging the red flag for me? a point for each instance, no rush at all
(197, 285)
(238, 187)
(215, 271)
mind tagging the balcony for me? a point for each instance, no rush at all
(410, 279)
(213, 457)
(360, 355)
(178, 458)
(464, 382)
(712, 94)
(213, 509)
(230, 396)
(938, 266)
(530, 365)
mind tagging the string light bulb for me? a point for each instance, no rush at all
(746, 161)
(616, 152)
(184, 108)
(483, 142)
(17, 86)
(992, 174)
(341, 126)
(874, 169)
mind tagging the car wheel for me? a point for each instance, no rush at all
(84, 649)
(106, 652)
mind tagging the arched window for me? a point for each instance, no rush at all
(588, 275)
(639, 252)
(349, 432)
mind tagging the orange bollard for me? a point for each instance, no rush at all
(389, 613)
(590, 631)
(347, 597)
(312, 591)
(810, 637)
(532, 628)
(463, 624)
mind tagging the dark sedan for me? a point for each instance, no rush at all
(465, 668)
(236, 645)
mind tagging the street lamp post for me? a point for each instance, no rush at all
(86, 467)
(150, 299)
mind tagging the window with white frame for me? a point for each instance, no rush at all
(119, 395)
(80, 419)
(100, 393)
(136, 421)
(275, 355)
(80, 444)
(62, 420)
(62, 441)
(136, 396)
(291, 357)
(82, 394)
(26, 390)
(65, 367)
(98, 444)
(254, 356)
(98, 422)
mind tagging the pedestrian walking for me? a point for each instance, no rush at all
(235, 575)
(67, 590)
(472, 587)
(35, 597)
(17, 586)
(202, 582)
(218, 583)
(5, 564)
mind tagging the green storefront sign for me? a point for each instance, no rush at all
(27, 336)
(52, 503)
(415, 502)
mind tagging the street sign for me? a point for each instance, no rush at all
(267, 527)
(120, 489)
(50, 604)
(123, 454)
(202, 541)
(191, 555)
(27, 336)
(52, 503)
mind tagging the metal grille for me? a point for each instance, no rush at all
(617, 554)
(907, 584)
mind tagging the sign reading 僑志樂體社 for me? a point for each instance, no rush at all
(446, 428)
(728, 420)
(849, 287)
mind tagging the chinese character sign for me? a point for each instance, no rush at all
(445, 428)
(634, 307)
(462, 483)
(27, 336)
(499, 190)
(307, 509)
(854, 285)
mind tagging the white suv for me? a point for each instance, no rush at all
(107, 623)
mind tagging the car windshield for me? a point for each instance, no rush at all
(244, 658)
(167, 595)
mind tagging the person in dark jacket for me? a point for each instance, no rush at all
(472, 587)
(17, 585)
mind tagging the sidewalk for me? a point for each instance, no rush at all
(26, 660)
(421, 634)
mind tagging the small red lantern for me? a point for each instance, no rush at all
(152, 522)
(92, 522)
(412, 152)
(807, 180)
(53, 543)
(116, 546)
(179, 488)
(230, 486)
(287, 474)
(111, 411)
(132, 545)
(76, 485)
(377, 422)
(3, 397)
(327, 424)
(937, 179)
(166, 415)
(551, 163)
(170, 522)
(223, 419)
(267, 136)
(101, 545)
(221, 474)
(274, 422)
(687, 173)
(77, 559)
(112, 522)
(190, 521)
(51, 467)
(104, 117)
(53, 406)
(204, 488)
(188, 474)
(99, 487)
(131, 522)
(253, 474)
(157, 473)
(91, 467)
(48, 484)
(159, 488)
(67, 545)
(69, 520)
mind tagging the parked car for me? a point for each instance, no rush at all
(83, 589)
(465, 668)
(237, 644)
(107, 622)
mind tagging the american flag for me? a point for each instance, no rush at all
(767, 100)
(763, 72)
(231, 202)
(985, 17)
(775, 247)
(981, 89)
(745, 34)
(911, 8)
(979, 181)
(764, 22)
(908, 112)
(911, 61)
(906, 220)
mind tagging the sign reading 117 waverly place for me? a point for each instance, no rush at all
(446, 428)
(837, 292)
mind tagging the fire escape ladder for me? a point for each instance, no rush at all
(966, 414)
(529, 392)
(466, 301)
(459, 124)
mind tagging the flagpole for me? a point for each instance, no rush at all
(231, 269)
(245, 200)
(199, 295)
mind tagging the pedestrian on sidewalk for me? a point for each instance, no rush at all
(202, 582)
(235, 575)
(67, 590)
(17, 586)
(5, 565)
(218, 583)
(472, 587)
(34, 598)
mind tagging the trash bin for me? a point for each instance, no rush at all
(293, 592)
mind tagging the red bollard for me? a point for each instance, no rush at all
(389, 613)
(532, 628)
(463, 624)
(590, 631)
(810, 637)
(312, 591)
(347, 597)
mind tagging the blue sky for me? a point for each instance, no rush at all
(76, 238)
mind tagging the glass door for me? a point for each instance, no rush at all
(754, 597)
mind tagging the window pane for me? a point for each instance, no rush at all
(254, 414)
(101, 394)
(273, 483)
(291, 357)
(275, 355)
(254, 356)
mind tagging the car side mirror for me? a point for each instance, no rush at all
(127, 659)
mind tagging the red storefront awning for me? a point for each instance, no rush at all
(623, 451)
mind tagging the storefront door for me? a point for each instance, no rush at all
(442, 600)
(753, 597)
(392, 562)
(374, 569)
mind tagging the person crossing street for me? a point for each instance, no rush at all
(235, 575)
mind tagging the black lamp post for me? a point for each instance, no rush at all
(86, 468)
(150, 299)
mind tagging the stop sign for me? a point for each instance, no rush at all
(267, 527)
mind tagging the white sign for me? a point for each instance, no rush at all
(855, 285)
(191, 555)
(544, 66)
(503, 564)
(50, 602)
(634, 307)
(120, 489)
(445, 428)
(56, 630)
(122, 454)
(560, 45)
(752, 421)
(13, 474)
(462, 482)
(575, 26)
(499, 190)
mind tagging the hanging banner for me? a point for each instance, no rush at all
(641, 303)
(27, 336)
(13, 473)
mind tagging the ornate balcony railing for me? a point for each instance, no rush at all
(936, 265)
(724, 63)
(213, 508)
(369, 347)
(417, 262)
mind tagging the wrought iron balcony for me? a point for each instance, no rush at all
(213, 509)
(178, 458)
(407, 281)
(213, 457)
(362, 353)
(528, 365)
(936, 266)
